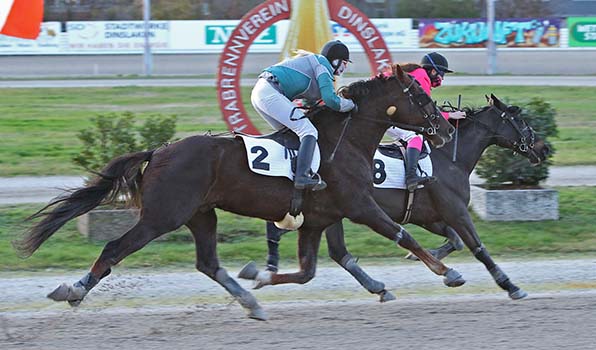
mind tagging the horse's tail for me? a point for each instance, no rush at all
(121, 176)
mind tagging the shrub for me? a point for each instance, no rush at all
(112, 135)
(500, 167)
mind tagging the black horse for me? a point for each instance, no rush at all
(441, 207)
(183, 183)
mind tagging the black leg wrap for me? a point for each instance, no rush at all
(89, 281)
(501, 278)
(349, 263)
(273, 256)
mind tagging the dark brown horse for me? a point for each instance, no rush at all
(183, 183)
(441, 207)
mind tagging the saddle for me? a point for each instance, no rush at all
(285, 137)
(397, 151)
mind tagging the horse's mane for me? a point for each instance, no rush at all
(410, 67)
(370, 87)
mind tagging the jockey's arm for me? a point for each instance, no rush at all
(331, 99)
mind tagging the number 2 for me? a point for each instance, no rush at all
(257, 163)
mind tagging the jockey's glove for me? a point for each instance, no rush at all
(345, 104)
(457, 115)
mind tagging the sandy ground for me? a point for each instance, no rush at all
(185, 310)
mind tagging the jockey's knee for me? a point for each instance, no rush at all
(306, 129)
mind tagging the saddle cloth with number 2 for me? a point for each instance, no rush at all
(267, 156)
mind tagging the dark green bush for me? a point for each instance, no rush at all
(500, 167)
(112, 135)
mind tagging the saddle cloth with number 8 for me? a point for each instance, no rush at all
(389, 170)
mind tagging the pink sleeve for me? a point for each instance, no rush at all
(422, 78)
(445, 115)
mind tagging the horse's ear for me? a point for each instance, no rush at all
(497, 103)
(398, 72)
(489, 100)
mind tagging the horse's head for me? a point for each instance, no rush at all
(398, 100)
(513, 132)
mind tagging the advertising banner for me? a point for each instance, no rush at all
(582, 31)
(473, 32)
(47, 41)
(116, 36)
(394, 31)
(212, 36)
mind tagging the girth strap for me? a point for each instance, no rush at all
(409, 205)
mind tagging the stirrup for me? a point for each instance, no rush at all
(420, 182)
(314, 183)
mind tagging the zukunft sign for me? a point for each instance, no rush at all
(262, 17)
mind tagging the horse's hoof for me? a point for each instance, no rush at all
(262, 279)
(65, 292)
(453, 278)
(61, 293)
(518, 294)
(249, 271)
(74, 303)
(412, 257)
(386, 296)
(258, 314)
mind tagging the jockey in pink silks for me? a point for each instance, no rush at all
(429, 74)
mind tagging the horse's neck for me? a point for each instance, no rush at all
(365, 136)
(361, 136)
(472, 140)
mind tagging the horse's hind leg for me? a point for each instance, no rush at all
(339, 253)
(250, 270)
(308, 246)
(453, 241)
(203, 227)
(114, 251)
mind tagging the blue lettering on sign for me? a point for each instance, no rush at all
(477, 32)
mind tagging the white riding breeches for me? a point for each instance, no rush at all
(401, 134)
(276, 109)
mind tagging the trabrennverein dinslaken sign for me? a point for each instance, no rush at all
(262, 17)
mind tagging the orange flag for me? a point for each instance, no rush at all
(21, 18)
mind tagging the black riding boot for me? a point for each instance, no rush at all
(304, 176)
(413, 181)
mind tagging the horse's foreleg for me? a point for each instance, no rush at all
(379, 222)
(203, 227)
(339, 253)
(467, 231)
(273, 237)
(308, 246)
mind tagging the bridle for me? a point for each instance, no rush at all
(525, 143)
(418, 100)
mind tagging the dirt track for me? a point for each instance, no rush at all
(184, 311)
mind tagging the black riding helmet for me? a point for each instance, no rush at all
(437, 61)
(336, 50)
